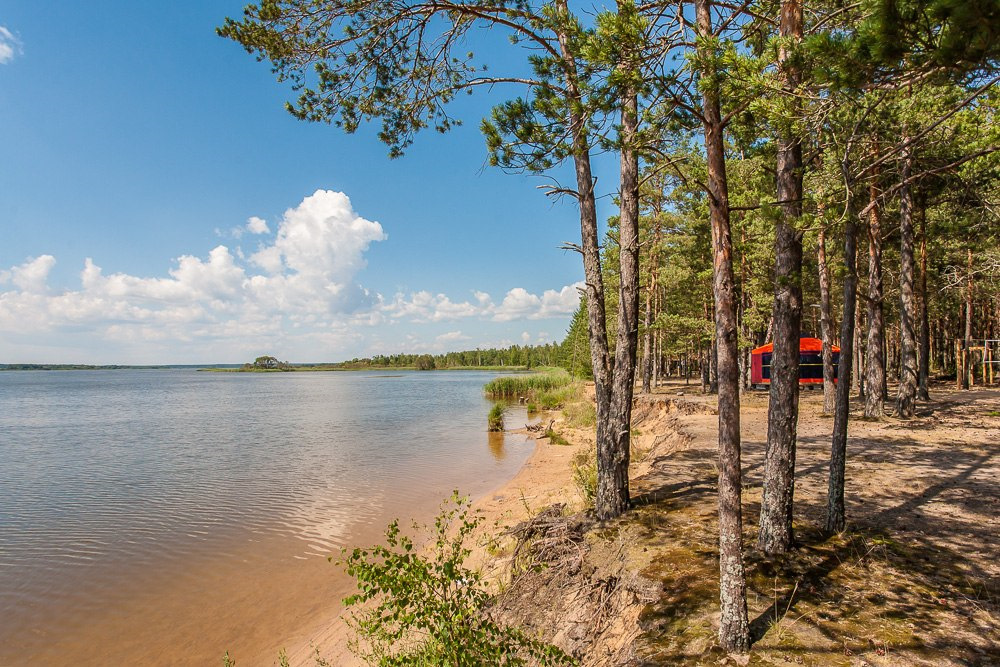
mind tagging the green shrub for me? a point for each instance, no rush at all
(417, 610)
(580, 414)
(494, 421)
(585, 475)
(555, 438)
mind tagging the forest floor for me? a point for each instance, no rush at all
(915, 579)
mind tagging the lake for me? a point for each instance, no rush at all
(167, 516)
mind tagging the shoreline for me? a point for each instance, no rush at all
(545, 477)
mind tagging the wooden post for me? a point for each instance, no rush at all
(959, 364)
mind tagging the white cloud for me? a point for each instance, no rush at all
(517, 304)
(10, 46)
(298, 291)
(452, 337)
(257, 225)
(309, 285)
(32, 276)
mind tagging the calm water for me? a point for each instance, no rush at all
(169, 514)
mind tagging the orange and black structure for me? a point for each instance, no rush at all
(810, 362)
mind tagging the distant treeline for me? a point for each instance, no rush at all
(573, 354)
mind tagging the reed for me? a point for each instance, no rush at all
(518, 386)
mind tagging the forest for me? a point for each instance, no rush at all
(787, 168)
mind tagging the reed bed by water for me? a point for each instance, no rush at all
(518, 386)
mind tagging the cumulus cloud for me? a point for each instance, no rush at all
(308, 282)
(32, 276)
(517, 304)
(257, 225)
(10, 46)
(300, 285)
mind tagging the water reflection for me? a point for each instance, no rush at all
(496, 442)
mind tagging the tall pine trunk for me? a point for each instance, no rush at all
(647, 341)
(835, 514)
(734, 631)
(826, 322)
(875, 350)
(775, 534)
(613, 454)
(924, 367)
(907, 395)
(966, 363)
(596, 319)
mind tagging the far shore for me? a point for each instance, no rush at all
(293, 368)
(233, 368)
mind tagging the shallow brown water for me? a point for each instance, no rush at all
(168, 516)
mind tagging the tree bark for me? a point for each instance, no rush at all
(826, 322)
(906, 397)
(775, 535)
(966, 365)
(734, 629)
(835, 515)
(649, 358)
(924, 368)
(613, 454)
(596, 319)
(875, 351)
(647, 341)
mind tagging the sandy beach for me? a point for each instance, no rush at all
(918, 492)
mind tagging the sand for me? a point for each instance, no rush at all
(923, 500)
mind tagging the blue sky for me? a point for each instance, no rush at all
(158, 205)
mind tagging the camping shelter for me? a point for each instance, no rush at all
(810, 362)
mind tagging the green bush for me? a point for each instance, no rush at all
(494, 421)
(431, 610)
(585, 475)
(580, 414)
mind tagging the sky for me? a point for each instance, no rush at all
(159, 206)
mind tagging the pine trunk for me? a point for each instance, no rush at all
(924, 369)
(613, 454)
(907, 395)
(875, 350)
(734, 630)
(647, 343)
(775, 534)
(607, 439)
(835, 514)
(966, 364)
(826, 323)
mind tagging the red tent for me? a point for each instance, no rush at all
(810, 362)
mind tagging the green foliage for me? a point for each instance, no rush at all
(515, 386)
(513, 357)
(494, 422)
(555, 438)
(558, 397)
(425, 362)
(412, 609)
(585, 475)
(267, 363)
(580, 413)
(574, 351)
